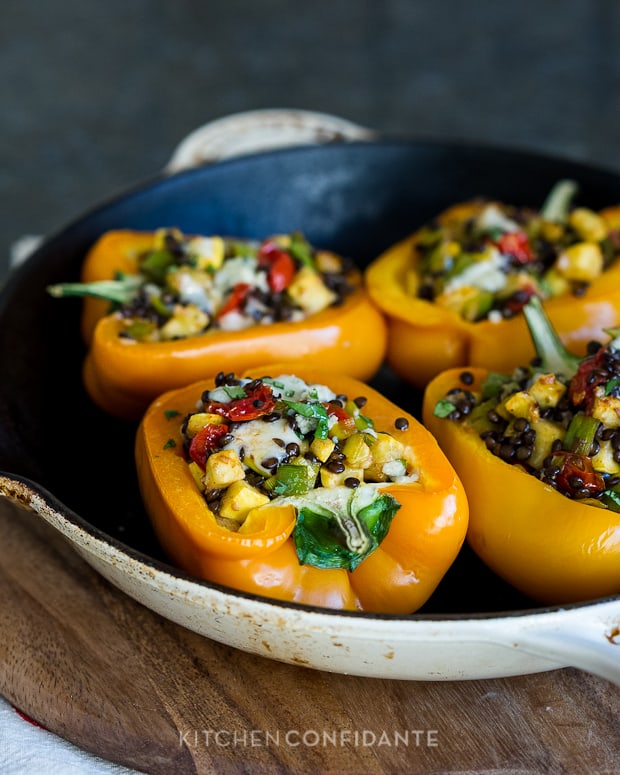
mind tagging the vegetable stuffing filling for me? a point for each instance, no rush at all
(489, 264)
(189, 285)
(276, 441)
(558, 419)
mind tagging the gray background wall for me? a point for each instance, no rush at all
(95, 95)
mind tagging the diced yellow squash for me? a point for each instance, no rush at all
(159, 238)
(208, 252)
(521, 404)
(604, 459)
(588, 224)
(357, 451)
(322, 448)
(331, 479)
(412, 282)
(547, 390)
(198, 421)
(582, 262)
(310, 292)
(222, 469)
(385, 449)
(239, 498)
(606, 409)
(343, 428)
(197, 475)
(552, 231)
(556, 283)
(326, 261)
(186, 320)
(546, 433)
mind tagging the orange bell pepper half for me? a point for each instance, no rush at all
(550, 547)
(123, 375)
(425, 338)
(423, 539)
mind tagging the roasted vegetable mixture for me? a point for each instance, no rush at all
(488, 262)
(558, 418)
(188, 285)
(285, 441)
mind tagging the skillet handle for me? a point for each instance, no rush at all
(262, 130)
(587, 638)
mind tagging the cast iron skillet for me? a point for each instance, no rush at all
(74, 465)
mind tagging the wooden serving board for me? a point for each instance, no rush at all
(102, 671)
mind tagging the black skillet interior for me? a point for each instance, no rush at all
(356, 199)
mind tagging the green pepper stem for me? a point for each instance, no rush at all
(552, 353)
(120, 291)
(557, 203)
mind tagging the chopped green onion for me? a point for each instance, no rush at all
(156, 264)
(580, 434)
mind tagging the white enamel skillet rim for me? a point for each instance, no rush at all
(325, 186)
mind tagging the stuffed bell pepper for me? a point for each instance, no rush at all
(304, 486)
(454, 291)
(538, 451)
(182, 305)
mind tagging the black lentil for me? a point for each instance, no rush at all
(293, 449)
(271, 417)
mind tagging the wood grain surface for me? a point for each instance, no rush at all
(116, 679)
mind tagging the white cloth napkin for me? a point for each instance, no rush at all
(28, 749)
